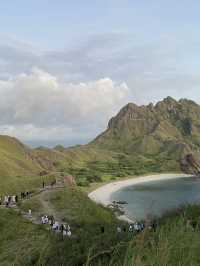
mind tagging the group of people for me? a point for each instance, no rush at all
(64, 229)
(9, 200)
(135, 227)
(25, 195)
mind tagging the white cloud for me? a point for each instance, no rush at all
(39, 106)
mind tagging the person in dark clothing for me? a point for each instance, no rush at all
(61, 228)
(9, 199)
(102, 229)
(43, 184)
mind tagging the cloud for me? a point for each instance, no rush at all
(39, 105)
(60, 94)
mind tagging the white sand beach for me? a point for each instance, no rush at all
(103, 194)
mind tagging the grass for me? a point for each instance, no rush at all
(85, 218)
(175, 242)
(21, 243)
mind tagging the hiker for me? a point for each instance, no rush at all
(42, 220)
(102, 229)
(43, 184)
(6, 202)
(119, 230)
(50, 221)
(69, 233)
(61, 228)
(55, 226)
(130, 228)
(9, 199)
(136, 227)
(142, 226)
(46, 219)
(29, 213)
(64, 233)
(14, 199)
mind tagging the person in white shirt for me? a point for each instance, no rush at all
(69, 233)
(64, 233)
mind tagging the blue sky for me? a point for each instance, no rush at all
(109, 52)
(53, 24)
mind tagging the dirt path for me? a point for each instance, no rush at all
(40, 194)
(45, 203)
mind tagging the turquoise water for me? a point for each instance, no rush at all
(156, 197)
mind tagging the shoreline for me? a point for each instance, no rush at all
(102, 195)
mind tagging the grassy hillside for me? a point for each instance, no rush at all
(175, 242)
(22, 243)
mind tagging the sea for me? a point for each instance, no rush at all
(155, 198)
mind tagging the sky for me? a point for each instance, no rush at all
(67, 67)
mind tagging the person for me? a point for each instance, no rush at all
(55, 226)
(64, 233)
(43, 220)
(6, 202)
(43, 184)
(119, 230)
(136, 227)
(142, 226)
(0, 201)
(50, 222)
(69, 233)
(9, 199)
(14, 199)
(30, 213)
(61, 228)
(102, 229)
(130, 228)
(46, 219)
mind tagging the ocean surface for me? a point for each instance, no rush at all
(154, 198)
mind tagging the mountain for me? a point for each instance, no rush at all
(170, 128)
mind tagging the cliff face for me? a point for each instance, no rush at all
(170, 127)
(190, 164)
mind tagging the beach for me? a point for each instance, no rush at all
(103, 194)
